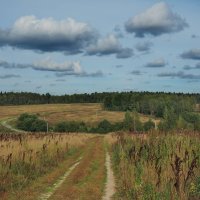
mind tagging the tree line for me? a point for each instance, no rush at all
(143, 102)
(131, 122)
(177, 110)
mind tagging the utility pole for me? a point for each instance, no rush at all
(155, 125)
(47, 125)
(134, 120)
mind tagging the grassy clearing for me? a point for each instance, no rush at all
(89, 113)
(26, 158)
(157, 167)
(88, 178)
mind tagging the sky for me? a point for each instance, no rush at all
(85, 46)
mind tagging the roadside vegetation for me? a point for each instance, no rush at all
(157, 166)
(25, 158)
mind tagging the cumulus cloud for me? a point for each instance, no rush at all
(118, 32)
(197, 66)
(136, 72)
(144, 46)
(7, 65)
(38, 87)
(187, 67)
(179, 74)
(107, 46)
(61, 69)
(50, 65)
(68, 36)
(47, 64)
(157, 20)
(194, 36)
(125, 53)
(98, 73)
(60, 80)
(8, 76)
(48, 35)
(156, 63)
(119, 66)
(191, 54)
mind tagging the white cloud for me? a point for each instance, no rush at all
(144, 46)
(50, 65)
(47, 34)
(109, 45)
(191, 54)
(160, 62)
(66, 68)
(157, 20)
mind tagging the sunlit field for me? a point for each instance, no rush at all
(54, 113)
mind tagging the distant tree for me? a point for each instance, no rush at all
(104, 126)
(149, 125)
(128, 121)
(48, 98)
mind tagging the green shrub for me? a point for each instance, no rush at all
(31, 123)
(70, 127)
(104, 127)
(149, 125)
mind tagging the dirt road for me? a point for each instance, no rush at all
(87, 175)
(5, 123)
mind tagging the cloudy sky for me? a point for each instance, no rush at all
(63, 46)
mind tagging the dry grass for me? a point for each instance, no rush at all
(24, 158)
(156, 166)
(90, 113)
(34, 143)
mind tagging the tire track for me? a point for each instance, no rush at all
(110, 184)
(58, 183)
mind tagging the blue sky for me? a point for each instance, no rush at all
(62, 46)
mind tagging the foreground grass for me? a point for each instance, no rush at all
(37, 187)
(157, 167)
(24, 159)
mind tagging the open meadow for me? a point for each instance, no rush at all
(90, 113)
(151, 165)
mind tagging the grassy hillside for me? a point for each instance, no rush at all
(90, 113)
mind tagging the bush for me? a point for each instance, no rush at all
(149, 125)
(104, 127)
(70, 127)
(31, 123)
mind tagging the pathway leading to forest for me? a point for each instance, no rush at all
(88, 177)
